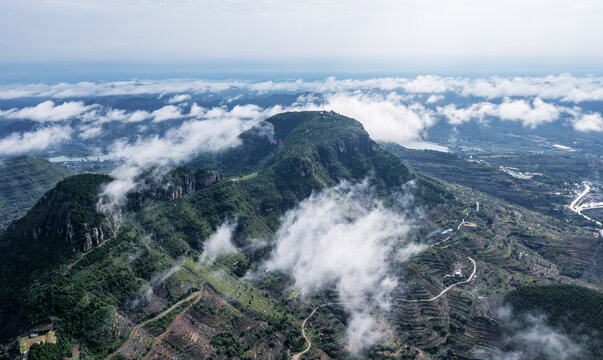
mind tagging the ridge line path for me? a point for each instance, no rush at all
(156, 317)
(171, 326)
(439, 242)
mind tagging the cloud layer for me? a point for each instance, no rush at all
(216, 129)
(564, 87)
(392, 109)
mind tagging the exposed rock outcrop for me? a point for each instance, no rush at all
(173, 185)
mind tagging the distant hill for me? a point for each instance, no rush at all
(23, 180)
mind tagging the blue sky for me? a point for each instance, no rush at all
(306, 35)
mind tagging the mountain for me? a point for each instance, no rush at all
(23, 180)
(55, 250)
(134, 283)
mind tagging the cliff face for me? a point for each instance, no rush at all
(85, 238)
(204, 177)
(170, 186)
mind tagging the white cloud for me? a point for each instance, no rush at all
(537, 337)
(40, 139)
(589, 122)
(384, 117)
(530, 115)
(196, 110)
(167, 112)
(47, 111)
(427, 84)
(138, 115)
(433, 98)
(115, 88)
(179, 98)
(88, 132)
(120, 115)
(564, 87)
(219, 243)
(219, 129)
(531, 337)
(342, 238)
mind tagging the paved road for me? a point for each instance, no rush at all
(461, 224)
(577, 199)
(578, 208)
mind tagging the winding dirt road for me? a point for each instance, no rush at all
(303, 331)
(448, 288)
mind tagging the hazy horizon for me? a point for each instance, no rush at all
(67, 40)
(63, 71)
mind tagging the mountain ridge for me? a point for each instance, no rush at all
(144, 291)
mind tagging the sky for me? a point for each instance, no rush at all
(560, 35)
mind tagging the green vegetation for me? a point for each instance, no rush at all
(579, 310)
(117, 298)
(576, 310)
(46, 351)
(226, 343)
(57, 226)
(86, 293)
